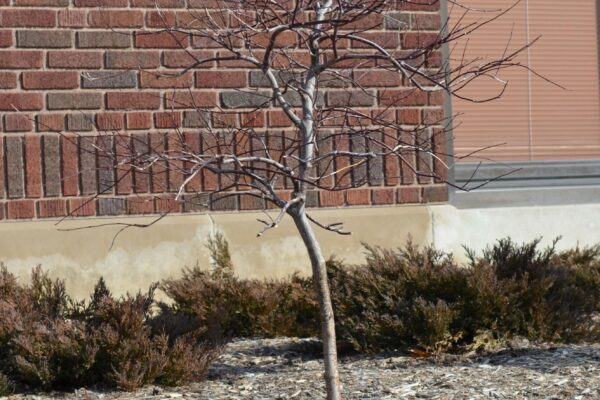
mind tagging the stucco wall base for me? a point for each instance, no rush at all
(142, 256)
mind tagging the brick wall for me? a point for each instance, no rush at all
(71, 67)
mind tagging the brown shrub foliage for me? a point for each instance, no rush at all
(48, 341)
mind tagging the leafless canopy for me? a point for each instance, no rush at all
(300, 50)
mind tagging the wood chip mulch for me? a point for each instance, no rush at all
(291, 369)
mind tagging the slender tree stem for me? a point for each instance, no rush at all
(319, 271)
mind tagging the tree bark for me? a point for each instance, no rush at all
(319, 271)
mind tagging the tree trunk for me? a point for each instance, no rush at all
(319, 271)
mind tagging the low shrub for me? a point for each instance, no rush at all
(407, 298)
(49, 341)
(399, 299)
(420, 298)
(220, 301)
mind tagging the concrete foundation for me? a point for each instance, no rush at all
(140, 256)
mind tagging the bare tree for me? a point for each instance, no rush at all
(300, 50)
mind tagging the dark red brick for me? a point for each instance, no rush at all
(69, 160)
(82, 207)
(133, 100)
(161, 40)
(21, 209)
(21, 101)
(53, 208)
(50, 80)
(382, 196)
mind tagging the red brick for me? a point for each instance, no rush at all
(21, 59)
(183, 59)
(278, 118)
(124, 171)
(116, 19)
(391, 162)
(402, 97)
(27, 18)
(82, 207)
(101, 3)
(190, 99)
(158, 179)
(33, 166)
(140, 205)
(167, 204)
(210, 180)
(20, 209)
(165, 120)
(6, 38)
(72, 18)
(436, 98)
(250, 202)
(160, 19)
(70, 181)
(387, 40)
(254, 119)
(110, 121)
(382, 196)
(41, 3)
(53, 208)
(50, 123)
(409, 116)
(161, 40)
(18, 123)
(141, 177)
(75, 59)
(419, 40)
(175, 175)
(331, 198)
(50, 80)
(409, 194)
(433, 116)
(132, 100)
(192, 141)
(159, 3)
(139, 120)
(224, 120)
(221, 79)
(8, 80)
(355, 197)
(161, 80)
(378, 78)
(262, 40)
(418, 5)
(370, 21)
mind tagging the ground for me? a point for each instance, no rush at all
(290, 369)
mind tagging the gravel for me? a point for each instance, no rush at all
(291, 369)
